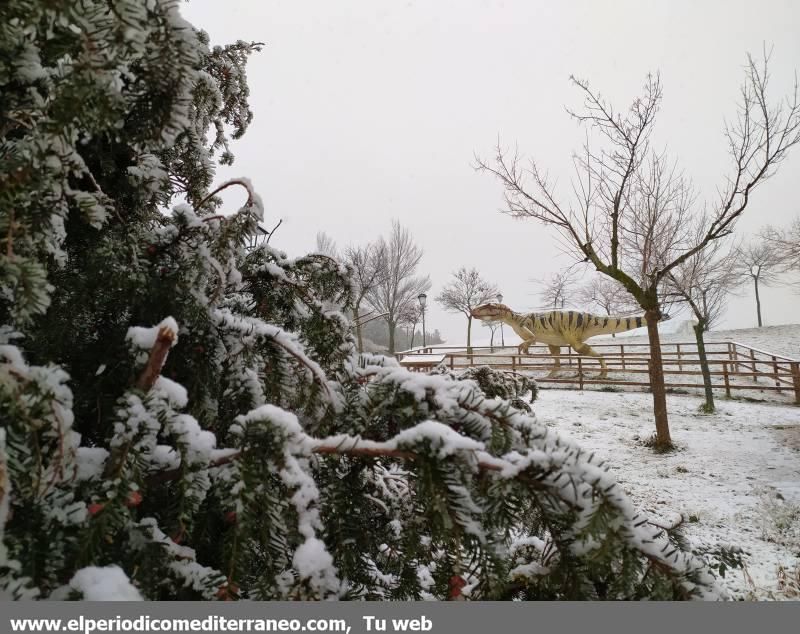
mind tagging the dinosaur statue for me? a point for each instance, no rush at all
(558, 328)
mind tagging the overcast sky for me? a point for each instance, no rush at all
(368, 110)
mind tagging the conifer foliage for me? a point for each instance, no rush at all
(185, 417)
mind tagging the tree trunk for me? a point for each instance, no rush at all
(413, 334)
(699, 329)
(758, 302)
(356, 308)
(663, 439)
(469, 335)
(491, 341)
(391, 325)
(358, 330)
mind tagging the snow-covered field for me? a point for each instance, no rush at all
(735, 476)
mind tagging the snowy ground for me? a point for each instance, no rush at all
(735, 476)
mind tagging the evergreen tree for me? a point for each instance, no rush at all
(184, 417)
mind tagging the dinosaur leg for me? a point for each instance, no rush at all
(555, 351)
(529, 340)
(587, 350)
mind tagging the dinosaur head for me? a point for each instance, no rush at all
(491, 312)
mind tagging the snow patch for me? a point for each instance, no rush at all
(312, 561)
(90, 462)
(174, 392)
(145, 338)
(443, 438)
(109, 583)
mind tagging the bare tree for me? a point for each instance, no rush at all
(464, 293)
(703, 282)
(410, 316)
(761, 262)
(557, 288)
(607, 295)
(368, 269)
(492, 326)
(786, 243)
(400, 285)
(327, 245)
(629, 215)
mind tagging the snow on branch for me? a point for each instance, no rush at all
(165, 337)
(253, 200)
(250, 328)
(580, 481)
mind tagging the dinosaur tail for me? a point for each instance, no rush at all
(623, 324)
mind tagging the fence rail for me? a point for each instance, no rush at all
(734, 366)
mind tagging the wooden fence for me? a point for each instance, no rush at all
(734, 366)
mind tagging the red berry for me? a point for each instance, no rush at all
(228, 592)
(134, 499)
(199, 349)
(230, 517)
(152, 250)
(456, 583)
(95, 508)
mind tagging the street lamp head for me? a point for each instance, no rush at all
(499, 298)
(423, 298)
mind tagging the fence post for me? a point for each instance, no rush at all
(753, 359)
(580, 374)
(622, 354)
(513, 364)
(726, 378)
(775, 371)
(452, 359)
(796, 381)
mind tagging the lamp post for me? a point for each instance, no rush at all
(423, 298)
(502, 338)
